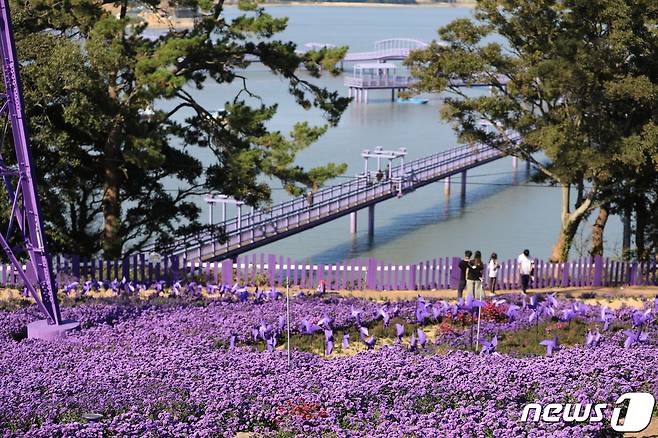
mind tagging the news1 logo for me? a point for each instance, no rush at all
(637, 418)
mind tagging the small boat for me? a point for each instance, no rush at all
(414, 100)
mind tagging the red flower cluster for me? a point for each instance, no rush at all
(303, 409)
(491, 312)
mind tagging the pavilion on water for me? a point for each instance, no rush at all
(375, 76)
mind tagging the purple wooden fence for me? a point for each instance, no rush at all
(353, 274)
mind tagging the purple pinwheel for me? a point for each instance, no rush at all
(413, 345)
(395, 311)
(568, 315)
(551, 345)
(512, 311)
(231, 342)
(159, 286)
(592, 339)
(259, 296)
(399, 332)
(255, 333)
(370, 342)
(470, 305)
(329, 342)
(363, 332)
(606, 317)
(70, 287)
(306, 328)
(273, 295)
(242, 294)
(421, 310)
(326, 322)
(271, 342)
(551, 300)
(384, 314)
(489, 347)
(281, 323)
(436, 312)
(356, 314)
(114, 285)
(346, 340)
(86, 287)
(634, 338)
(640, 318)
(422, 338)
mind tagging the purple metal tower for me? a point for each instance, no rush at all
(25, 227)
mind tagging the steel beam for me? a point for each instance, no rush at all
(26, 212)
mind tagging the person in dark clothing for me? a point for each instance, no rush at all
(474, 276)
(463, 266)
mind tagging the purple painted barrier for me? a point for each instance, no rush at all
(373, 274)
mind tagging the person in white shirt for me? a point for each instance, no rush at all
(526, 269)
(492, 269)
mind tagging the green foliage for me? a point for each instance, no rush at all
(116, 174)
(582, 91)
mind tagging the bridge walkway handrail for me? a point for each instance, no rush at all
(424, 169)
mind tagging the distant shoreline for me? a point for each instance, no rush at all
(155, 21)
(458, 4)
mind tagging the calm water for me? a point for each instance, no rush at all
(501, 212)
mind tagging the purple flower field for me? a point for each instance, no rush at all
(214, 368)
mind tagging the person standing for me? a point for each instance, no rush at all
(463, 267)
(474, 276)
(526, 269)
(493, 268)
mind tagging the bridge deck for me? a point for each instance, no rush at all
(291, 217)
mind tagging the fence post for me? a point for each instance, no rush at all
(598, 271)
(454, 273)
(227, 272)
(271, 267)
(412, 277)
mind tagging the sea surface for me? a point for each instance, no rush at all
(501, 212)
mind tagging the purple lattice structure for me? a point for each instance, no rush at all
(24, 227)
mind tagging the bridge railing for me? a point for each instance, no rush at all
(262, 223)
(360, 195)
(379, 81)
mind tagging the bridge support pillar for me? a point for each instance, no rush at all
(463, 190)
(515, 162)
(365, 96)
(353, 222)
(392, 94)
(371, 220)
(446, 186)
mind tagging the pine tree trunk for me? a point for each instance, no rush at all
(598, 229)
(111, 203)
(626, 239)
(640, 228)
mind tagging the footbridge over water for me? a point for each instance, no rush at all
(263, 226)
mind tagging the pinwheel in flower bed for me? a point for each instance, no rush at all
(489, 347)
(329, 342)
(399, 332)
(606, 316)
(592, 339)
(637, 337)
(551, 345)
